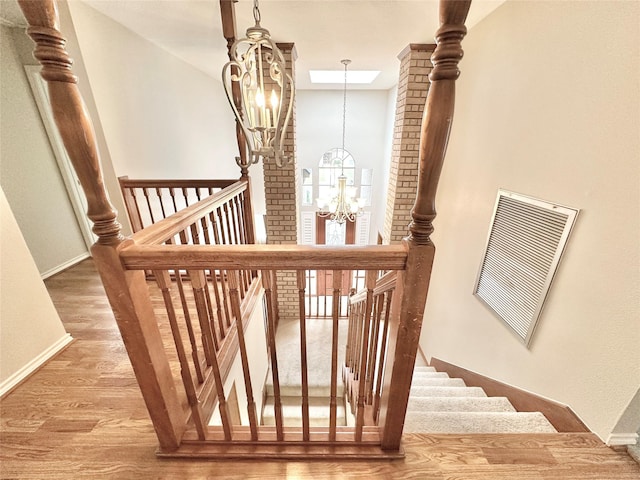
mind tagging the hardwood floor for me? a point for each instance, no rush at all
(82, 416)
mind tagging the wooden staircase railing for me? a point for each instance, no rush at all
(149, 201)
(182, 380)
(369, 319)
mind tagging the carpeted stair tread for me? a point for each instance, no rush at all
(460, 404)
(437, 382)
(292, 412)
(477, 422)
(430, 375)
(423, 368)
(447, 392)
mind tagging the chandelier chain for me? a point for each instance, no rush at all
(256, 12)
(344, 112)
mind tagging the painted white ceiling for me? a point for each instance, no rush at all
(369, 32)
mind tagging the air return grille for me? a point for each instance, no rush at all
(525, 244)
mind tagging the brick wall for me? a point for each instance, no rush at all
(413, 85)
(281, 197)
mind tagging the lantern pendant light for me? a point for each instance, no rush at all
(266, 93)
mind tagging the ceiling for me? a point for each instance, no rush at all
(369, 32)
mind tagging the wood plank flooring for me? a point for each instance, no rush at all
(82, 417)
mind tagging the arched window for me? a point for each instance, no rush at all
(333, 163)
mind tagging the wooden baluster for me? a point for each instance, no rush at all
(225, 296)
(164, 282)
(246, 274)
(209, 340)
(333, 401)
(223, 236)
(214, 228)
(185, 195)
(434, 135)
(159, 194)
(126, 290)
(218, 332)
(204, 224)
(383, 352)
(219, 311)
(172, 192)
(195, 236)
(191, 333)
(301, 280)
(235, 305)
(145, 191)
(131, 204)
(358, 342)
(370, 283)
(229, 229)
(375, 343)
(198, 281)
(267, 283)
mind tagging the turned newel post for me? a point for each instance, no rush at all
(407, 309)
(438, 116)
(70, 115)
(126, 290)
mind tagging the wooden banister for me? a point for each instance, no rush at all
(167, 228)
(409, 298)
(264, 257)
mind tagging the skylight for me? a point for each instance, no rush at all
(337, 76)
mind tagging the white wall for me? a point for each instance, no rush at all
(319, 128)
(29, 173)
(30, 329)
(548, 105)
(162, 117)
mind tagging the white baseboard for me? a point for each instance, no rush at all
(65, 265)
(34, 364)
(616, 439)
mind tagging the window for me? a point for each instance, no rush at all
(307, 186)
(332, 164)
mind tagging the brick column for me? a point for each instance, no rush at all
(281, 197)
(413, 85)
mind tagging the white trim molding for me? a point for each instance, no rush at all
(65, 265)
(22, 374)
(617, 439)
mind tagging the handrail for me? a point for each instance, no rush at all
(265, 257)
(168, 227)
(127, 182)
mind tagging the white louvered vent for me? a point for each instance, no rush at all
(525, 244)
(362, 228)
(307, 224)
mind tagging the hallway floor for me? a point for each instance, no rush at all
(81, 416)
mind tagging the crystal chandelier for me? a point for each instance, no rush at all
(266, 94)
(342, 204)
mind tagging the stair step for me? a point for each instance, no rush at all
(460, 404)
(477, 422)
(447, 392)
(314, 390)
(430, 375)
(423, 368)
(292, 412)
(437, 382)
